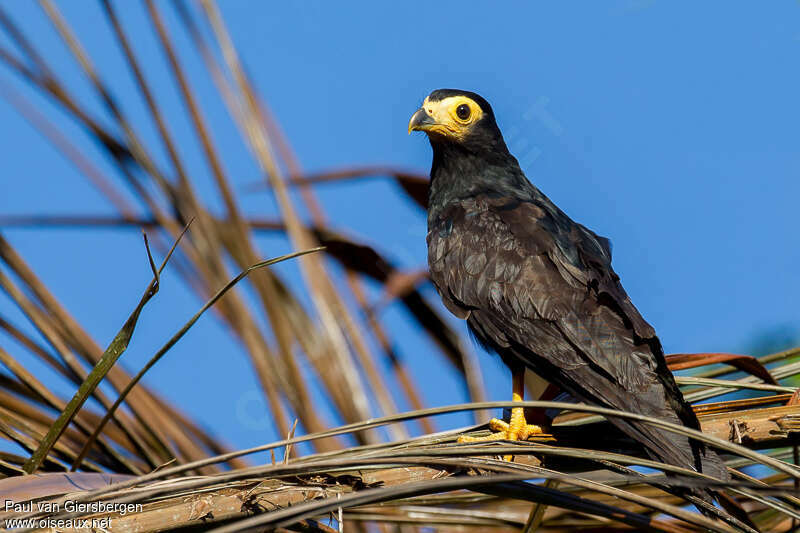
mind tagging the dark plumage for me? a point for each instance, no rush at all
(537, 287)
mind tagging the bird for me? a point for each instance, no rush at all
(538, 289)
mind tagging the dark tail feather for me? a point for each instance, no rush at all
(735, 510)
(712, 464)
(709, 463)
(733, 514)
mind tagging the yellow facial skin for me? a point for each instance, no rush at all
(442, 117)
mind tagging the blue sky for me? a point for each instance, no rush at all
(669, 127)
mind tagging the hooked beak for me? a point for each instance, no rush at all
(420, 121)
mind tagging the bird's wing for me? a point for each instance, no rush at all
(539, 288)
(523, 262)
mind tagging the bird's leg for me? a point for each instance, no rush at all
(517, 428)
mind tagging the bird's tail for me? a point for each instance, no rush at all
(679, 450)
(703, 498)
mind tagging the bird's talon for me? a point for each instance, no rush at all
(488, 438)
(530, 430)
(495, 424)
(517, 429)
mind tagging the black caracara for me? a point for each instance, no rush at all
(538, 288)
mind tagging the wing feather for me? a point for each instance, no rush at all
(539, 289)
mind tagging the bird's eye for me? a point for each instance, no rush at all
(463, 111)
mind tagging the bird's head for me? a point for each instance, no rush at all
(453, 116)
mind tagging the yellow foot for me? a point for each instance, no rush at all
(516, 429)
